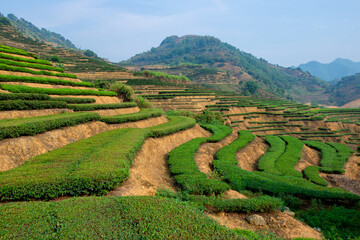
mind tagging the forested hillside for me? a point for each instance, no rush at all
(237, 67)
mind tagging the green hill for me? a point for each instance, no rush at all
(223, 65)
(346, 90)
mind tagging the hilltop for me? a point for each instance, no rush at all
(335, 70)
(207, 60)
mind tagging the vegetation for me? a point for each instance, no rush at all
(132, 117)
(12, 128)
(30, 65)
(162, 76)
(98, 164)
(29, 60)
(41, 72)
(54, 91)
(7, 49)
(43, 80)
(71, 100)
(335, 222)
(286, 162)
(110, 218)
(175, 124)
(277, 148)
(23, 96)
(29, 104)
(123, 91)
(93, 107)
(254, 204)
(186, 173)
(312, 173)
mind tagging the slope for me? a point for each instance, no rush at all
(347, 90)
(70, 59)
(235, 67)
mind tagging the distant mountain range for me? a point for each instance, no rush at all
(335, 70)
(236, 68)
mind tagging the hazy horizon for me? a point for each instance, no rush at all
(287, 33)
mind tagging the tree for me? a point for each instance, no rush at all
(251, 87)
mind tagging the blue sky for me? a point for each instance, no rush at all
(284, 32)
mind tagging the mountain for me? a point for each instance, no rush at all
(335, 70)
(347, 90)
(223, 65)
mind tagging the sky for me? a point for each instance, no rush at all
(284, 32)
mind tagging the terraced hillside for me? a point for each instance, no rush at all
(71, 60)
(143, 174)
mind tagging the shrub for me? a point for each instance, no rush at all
(175, 124)
(286, 162)
(54, 91)
(123, 91)
(93, 107)
(11, 128)
(29, 60)
(43, 80)
(71, 100)
(29, 104)
(312, 173)
(42, 72)
(132, 117)
(140, 217)
(30, 65)
(23, 96)
(277, 148)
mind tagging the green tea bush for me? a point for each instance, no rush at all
(29, 60)
(7, 49)
(312, 173)
(93, 107)
(23, 96)
(239, 179)
(343, 153)
(142, 217)
(71, 100)
(132, 117)
(43, 80)
(286, 162)
(89, 166)
(186, 173)
(42, 72)
(30, 65)
(29, 104)
(330, 159)
(277, 148)
(12, 128)
(175, 124)
(54, 91)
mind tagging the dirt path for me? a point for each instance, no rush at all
(352, 167)
(249, 156)
(150, 169)
(309, 157)
(32, 113)
(277, 222)
(205, 155)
